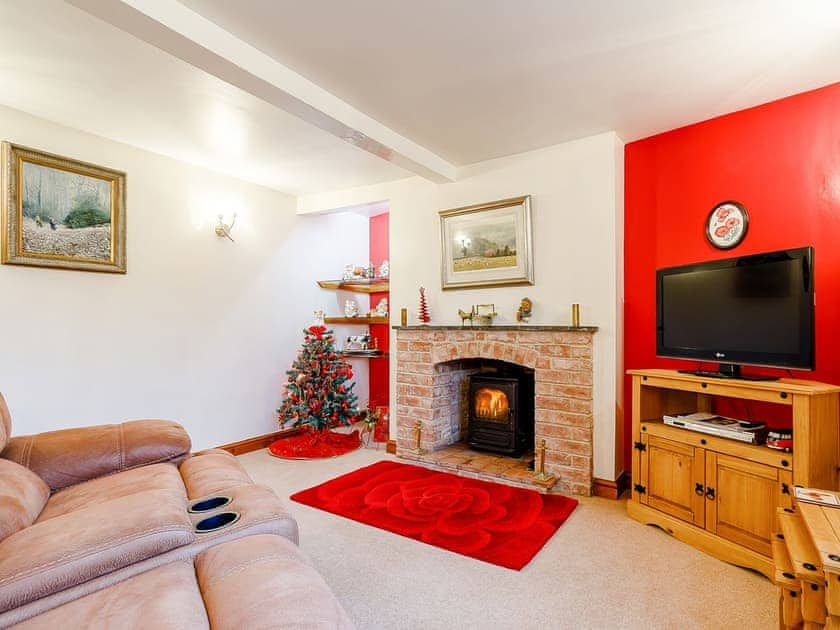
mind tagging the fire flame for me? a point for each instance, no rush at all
(491, 403)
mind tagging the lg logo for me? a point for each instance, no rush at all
(719, 355)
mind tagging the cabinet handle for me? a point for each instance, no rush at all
(710, 494)
(698, 489)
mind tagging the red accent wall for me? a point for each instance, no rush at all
(782, 161)
(379, 380)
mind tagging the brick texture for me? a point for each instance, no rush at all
(432, 370)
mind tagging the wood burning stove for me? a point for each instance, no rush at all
(501, 412)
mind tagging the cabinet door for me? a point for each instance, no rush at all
(673, 476)
(742, 497)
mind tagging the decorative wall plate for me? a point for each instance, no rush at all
(727, 224)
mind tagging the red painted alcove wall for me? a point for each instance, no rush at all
(782, 161)
(379, 378)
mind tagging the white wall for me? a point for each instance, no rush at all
(577, 205)
(200, 329)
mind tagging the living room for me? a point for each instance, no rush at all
(260, 149)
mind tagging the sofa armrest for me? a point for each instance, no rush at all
(70, 456)
(73, 548)
(272, 584)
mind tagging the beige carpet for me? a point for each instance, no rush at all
(600, 570)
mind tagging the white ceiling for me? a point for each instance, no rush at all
(426, 85)
(62, 64)
(476, 79)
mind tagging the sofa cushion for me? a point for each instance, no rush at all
(69, 456)
(66, 550)
(166, 598)
(22, 497)
(211, 472)
(5, 423)
(271, 583)
(163, 477)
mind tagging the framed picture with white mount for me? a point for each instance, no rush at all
(727, 224)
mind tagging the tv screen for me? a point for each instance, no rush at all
(751, 310)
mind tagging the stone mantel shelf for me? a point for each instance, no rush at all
(526, 327)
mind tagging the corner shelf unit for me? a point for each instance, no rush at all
(378, 329)
(722, 495)
(375, 285)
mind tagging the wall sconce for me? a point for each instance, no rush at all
(223, 229)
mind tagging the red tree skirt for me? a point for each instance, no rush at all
(487, 521)
(315, 445)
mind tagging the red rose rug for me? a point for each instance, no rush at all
(487, 521)
(315, 444)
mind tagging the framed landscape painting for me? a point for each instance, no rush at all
(61, 213)
(488, 244)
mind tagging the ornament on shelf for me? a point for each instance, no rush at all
(384, 269)
(351, 309)
(481, 313)
(382, 308)
(319, 318)
(466, 317)
(575, 315)
(423, 311)
(360, 342)
(370, 272)
(523, 314)
(355, 272)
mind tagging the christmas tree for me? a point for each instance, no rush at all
(318, 394)
(423, 311)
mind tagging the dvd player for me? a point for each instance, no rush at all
(750, 432)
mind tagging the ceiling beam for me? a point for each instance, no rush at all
(181, 32)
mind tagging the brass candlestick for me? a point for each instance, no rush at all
(403, 317)
(576, 315)
(539, 469)
(418, 432)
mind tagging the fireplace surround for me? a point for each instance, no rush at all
(433, 366)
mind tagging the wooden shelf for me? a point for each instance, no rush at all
(356, 320)
(352, 355)
(376, 285)
(727, 446)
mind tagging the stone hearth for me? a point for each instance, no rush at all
(432, 365)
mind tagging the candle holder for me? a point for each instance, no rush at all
(403, 317)
(575, 315)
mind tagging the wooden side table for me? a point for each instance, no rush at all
(806, 553)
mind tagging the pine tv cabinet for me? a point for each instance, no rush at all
(721, 495)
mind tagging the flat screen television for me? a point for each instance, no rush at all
(750, 310)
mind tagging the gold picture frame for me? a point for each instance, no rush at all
(61, 213)
(487, 244)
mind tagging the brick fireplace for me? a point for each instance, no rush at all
(433, 365)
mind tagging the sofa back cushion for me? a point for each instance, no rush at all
(5, 423)
(23, 495)
(66, 457)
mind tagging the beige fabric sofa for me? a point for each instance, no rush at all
(119, 526)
